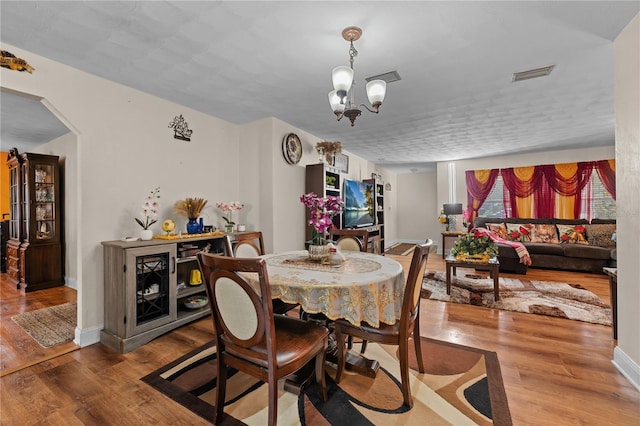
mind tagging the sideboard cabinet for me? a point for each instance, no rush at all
(34, 249)
(146, 284)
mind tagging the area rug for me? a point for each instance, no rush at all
(49, 326)
(554, 299)
(461, 386)
(400, 249)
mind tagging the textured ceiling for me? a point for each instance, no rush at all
(243, 61)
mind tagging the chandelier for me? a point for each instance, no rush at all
(342, 98)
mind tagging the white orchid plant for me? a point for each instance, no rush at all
(149, 210)
(228, 208)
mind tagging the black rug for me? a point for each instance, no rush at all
(462, 385)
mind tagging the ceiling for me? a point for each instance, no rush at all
(244, 61)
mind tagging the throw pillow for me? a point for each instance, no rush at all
(572, 234)
(499, 229)
(600, 235)
(519, 231)
(544, 233)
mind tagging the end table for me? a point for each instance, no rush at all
(449, 234)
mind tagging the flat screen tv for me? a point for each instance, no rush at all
(358, 204)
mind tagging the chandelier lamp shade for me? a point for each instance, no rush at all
(342, 99)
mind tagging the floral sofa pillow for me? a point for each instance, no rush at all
(544, 233)
(498, 228)
(519, 232)
(572, 234)
(600, 235)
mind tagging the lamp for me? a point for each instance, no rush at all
(341, 98)
(450, 210)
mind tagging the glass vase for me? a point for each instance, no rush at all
(193, 227)
(318, 252)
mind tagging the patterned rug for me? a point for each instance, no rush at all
(461, 386)
(49, 326)
(536, 297)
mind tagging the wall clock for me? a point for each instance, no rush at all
(292, 148)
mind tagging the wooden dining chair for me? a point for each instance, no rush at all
(350, 239)
(398, 333)
(249, 337)
(250, 245)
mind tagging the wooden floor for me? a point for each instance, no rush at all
(555, 371)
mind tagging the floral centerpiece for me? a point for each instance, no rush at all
(323, 209)
(474, 247)
(149, 213)
(228, 208)
(191, 209)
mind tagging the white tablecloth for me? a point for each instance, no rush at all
(367, 287)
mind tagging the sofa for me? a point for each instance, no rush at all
(567, 244)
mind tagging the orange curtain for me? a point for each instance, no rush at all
(564, 205)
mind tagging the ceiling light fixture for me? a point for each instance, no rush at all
(342, 98)
(534, 73)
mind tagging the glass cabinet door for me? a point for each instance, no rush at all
(44, 198)
(151, 288)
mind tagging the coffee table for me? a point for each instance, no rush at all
(493, 266)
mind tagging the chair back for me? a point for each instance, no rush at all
(411, 298)
(242, 317)
(350, 239)
(250, 244)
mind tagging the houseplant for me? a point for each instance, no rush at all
(228, 208)
(322, 210)
(149, 214)
(328, 150)
(474, 247)
(191, 209)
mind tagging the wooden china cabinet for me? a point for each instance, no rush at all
(34, 249)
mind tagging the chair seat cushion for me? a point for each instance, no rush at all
(292, 334)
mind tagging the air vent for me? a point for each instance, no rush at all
(534, 73)
(389, 77)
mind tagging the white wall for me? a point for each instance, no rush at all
(417, 198)
(627, 107)
(124, 149)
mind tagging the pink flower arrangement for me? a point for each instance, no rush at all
(323, 209)
(229, 207)
(467, 217)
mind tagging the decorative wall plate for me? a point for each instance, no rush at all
(292, 148)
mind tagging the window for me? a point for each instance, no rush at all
(596, 201)
(493, 206)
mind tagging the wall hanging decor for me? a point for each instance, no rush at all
(9, 60)
(180, 128)
(292, 148)
(328, 150)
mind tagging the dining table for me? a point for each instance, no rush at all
(366, 287)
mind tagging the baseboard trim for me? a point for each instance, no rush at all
(87, 337)
(626, 366)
